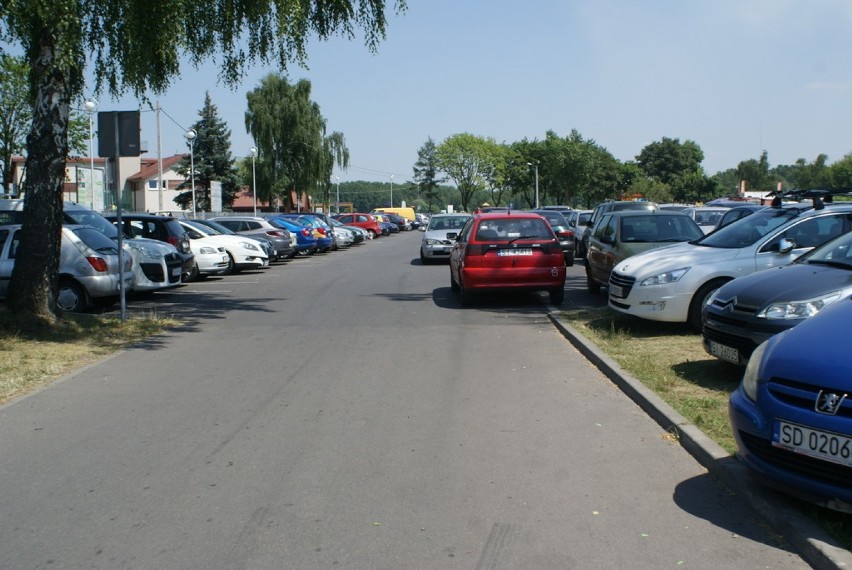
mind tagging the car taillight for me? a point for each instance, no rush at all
(174, 241)
(306, 232)
(565, 234)
(98, 263)
(275, 233)
(322, 231)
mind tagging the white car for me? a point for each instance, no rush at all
(672, 284)
(342, 237)
(210, 259)
(707, 217)
(156, 264)
(243, 252)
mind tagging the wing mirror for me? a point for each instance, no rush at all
(786, 245)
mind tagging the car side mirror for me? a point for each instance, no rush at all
(786, 245)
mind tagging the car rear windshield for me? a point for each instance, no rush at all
(513, 228)
(746, 231)
(96, 240)
(659, 228)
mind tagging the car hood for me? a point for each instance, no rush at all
(151, 244)
(679, 255)
(787, 283)
(827, 365)
(441, 234)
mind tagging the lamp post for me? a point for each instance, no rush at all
(337, 203)
(391, 180)
(190, 136)
(536, 182)
(253, 153)
(91, 104)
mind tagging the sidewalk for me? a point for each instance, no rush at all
(815, 546)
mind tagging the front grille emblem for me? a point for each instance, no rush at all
(828, 402)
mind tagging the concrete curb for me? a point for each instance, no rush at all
(813, 544)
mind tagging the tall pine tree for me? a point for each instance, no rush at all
(213, 161)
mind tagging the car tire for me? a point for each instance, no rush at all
(231, 266)
(71, 297)
(693, 318)
(569, 260)
(372, 234)
(592, 286)
(454, 286)
(424, 260)
(557, 296)
(193, 275)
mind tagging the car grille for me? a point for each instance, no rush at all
(804, 396)
(825, 471)
(623, 281)
(153, 271)
(173, 261)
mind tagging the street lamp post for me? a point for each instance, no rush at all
(337, 202)
(253, 153)
(91, 104)
(536, 183)
(190, 137)
(391, 180)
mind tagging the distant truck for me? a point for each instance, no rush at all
(407, 213)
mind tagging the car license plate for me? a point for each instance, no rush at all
(616, 291)
(726, 353)
(176, 272)
(514, 252)
(825, 445)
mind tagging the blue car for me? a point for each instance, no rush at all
(306, 242)
(792, 413)
(325, 240)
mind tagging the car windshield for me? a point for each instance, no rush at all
(447, 223)
(216, 226)
(659, 228)
(207, 230)
(96, 239)
(837, 252)
(94, 220)
(748, 230)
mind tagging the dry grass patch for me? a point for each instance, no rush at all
(31, 360)
(670, 360)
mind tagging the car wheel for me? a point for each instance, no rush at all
(423, 259)
(699, 300)
(592, 286)
(193, 275)
(231, 266)
(454, 284)
(569, 260)
(557, 296)
(70, 296)
(372, 234)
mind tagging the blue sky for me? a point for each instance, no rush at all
(735, 76)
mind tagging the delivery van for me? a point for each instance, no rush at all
(407, 213)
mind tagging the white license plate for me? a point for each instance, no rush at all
(514, 252)
(726, 353)
(825, 445)
(176, 272)
(616, 291)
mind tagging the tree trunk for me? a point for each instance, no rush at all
(32, 288)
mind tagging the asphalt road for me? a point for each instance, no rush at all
(344, 411)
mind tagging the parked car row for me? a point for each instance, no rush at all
(770, 290)
(161, 251)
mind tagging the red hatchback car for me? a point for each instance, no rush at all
(363, 221)
(507, 251)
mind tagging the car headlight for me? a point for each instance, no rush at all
(663, 278)
(751, 377)
(205, 250)
(249, 245)
(799, 309)
(146, 252)
(431, 242)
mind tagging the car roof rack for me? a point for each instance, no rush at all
(820, 197)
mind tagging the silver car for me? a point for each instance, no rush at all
(440, 235)
(88, 266)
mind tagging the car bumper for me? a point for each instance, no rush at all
(436, 251)
(151, 276)
(814, 480)
(652, 303)
(733, 343)
(212, 264)
(533, 278)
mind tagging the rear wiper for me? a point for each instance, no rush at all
(513, 240)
